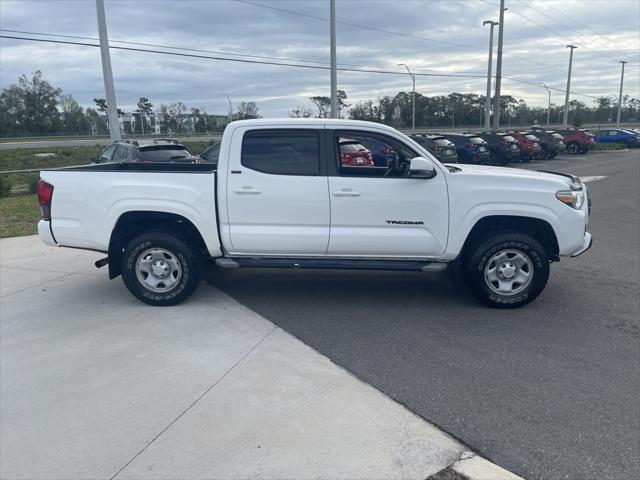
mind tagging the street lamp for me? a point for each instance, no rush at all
(565, 121)
(413, 97)
(549, 102)
(487, 104)
(230, 108)
(620, 96)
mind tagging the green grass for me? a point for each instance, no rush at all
(608, 146)
(19, 215)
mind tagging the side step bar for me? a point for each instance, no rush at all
(412, 265)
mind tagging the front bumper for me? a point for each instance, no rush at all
(588, 241)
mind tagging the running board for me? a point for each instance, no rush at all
(332, 263)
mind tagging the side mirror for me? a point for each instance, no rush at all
(421, 167)
(94, 159)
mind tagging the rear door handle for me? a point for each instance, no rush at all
(247, 191)
(346, 192)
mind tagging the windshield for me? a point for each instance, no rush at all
(557, 135)
(531, 137)
(476, 140)
(442, 142)
(509, 138)
(164, 153)
(212, 153)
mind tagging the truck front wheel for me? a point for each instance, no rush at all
(507, 270)
(160, 269)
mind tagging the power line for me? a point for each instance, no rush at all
(364, 27)
(240, 60)
(563, 25)
(287, 59)
(548, 4)
(260, 62)
(391, 32)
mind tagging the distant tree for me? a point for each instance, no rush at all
(145, 107)
(324, 103)
(300, 112)
(73, 117)
(247, 110)
(199, 120)
(31, 106)
(101, 106)
(97, 125)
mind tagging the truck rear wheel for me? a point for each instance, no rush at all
(160, 269)
(507, 270)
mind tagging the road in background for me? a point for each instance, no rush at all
(547, 391)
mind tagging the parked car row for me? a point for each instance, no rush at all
(497, 148)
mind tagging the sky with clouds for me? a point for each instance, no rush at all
(431, 36)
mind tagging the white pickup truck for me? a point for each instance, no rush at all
(317, 193)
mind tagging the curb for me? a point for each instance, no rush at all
(473, 467)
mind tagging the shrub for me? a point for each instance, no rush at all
(32, 182)
(5, 185)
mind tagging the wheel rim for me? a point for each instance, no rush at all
(158, 270)
(508, 272)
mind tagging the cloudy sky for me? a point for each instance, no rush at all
(431, 36)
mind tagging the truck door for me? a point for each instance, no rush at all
(377, 211)
(277, 193)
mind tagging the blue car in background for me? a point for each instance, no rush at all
(626, 137)
(382, 153)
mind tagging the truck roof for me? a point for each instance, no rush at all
(329, 122)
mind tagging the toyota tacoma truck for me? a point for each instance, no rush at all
(277, 195)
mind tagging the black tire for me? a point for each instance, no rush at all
(487, 252)
(573, 148)
(184, 268)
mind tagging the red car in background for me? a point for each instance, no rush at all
(577, 140)
(354, 154)
(528, 145)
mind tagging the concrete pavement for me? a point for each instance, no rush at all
(97, 385)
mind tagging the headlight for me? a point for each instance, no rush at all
(573, 198)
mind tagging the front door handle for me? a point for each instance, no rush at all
(346, 192)
(247, 191)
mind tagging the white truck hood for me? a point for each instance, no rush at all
(484, 171)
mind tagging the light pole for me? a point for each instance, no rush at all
(230, 108)
(334, 72)
(413, 97)
(620, 96)
(109, 90)
(548, 102)
(496, 108)
(565, 120)
(487, 104)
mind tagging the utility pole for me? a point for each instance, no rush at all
(110, 93)
(565, 120)
(413, 98)
(548, 102)
(620, 96)
(496, 108)
(487, 104)
(334, 72)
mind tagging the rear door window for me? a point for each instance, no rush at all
(282, 152)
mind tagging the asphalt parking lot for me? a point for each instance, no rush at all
(549, 391)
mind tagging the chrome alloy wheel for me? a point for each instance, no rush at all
(508, 272)
(158, 270)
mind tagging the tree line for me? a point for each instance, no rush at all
(33, 107)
